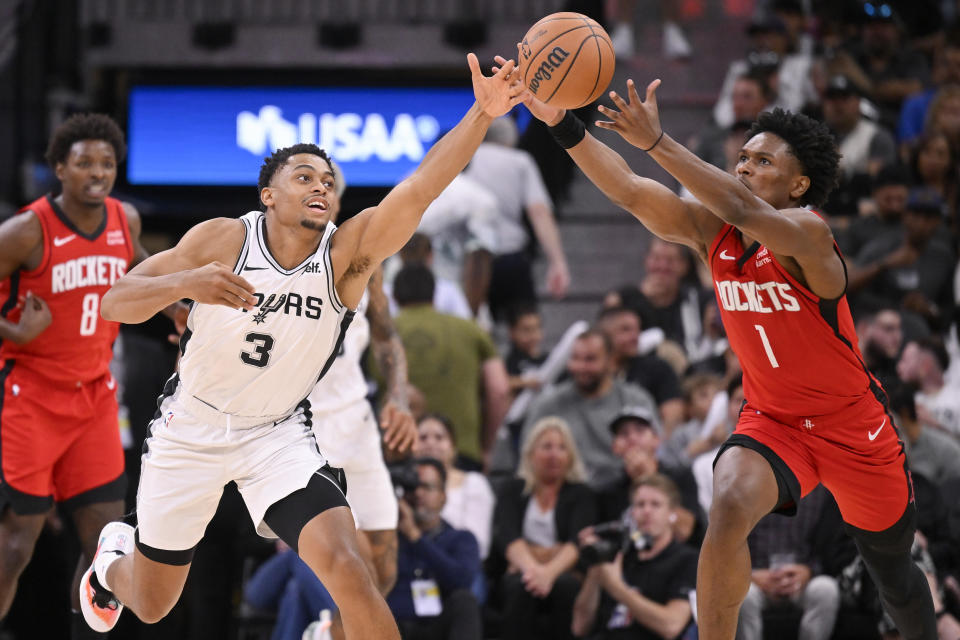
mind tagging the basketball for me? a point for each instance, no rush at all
(566, 60)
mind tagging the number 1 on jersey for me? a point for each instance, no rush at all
(766, 346)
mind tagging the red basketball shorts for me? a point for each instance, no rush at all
(58, 441)
(856, 454)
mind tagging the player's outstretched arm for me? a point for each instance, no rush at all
(381, 231)
(791, 232)
(657, 207)
(198, 268)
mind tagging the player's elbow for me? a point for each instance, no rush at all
(108, 307)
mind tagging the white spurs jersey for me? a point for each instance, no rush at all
(344, 383)
(258, 366)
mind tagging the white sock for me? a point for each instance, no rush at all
(102, 563)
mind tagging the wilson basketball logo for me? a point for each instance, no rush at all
(547, 68)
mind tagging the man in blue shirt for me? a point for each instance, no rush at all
(436, 566)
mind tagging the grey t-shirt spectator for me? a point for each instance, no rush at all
(589, 420)
(513, 177)
(934, 455)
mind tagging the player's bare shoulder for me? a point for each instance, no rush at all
(21, 242)
(214, 240)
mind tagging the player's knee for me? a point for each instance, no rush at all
(17, 549)
(734, 509)
(153, 609)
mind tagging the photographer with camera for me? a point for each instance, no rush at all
(436, 564)
(640, 587)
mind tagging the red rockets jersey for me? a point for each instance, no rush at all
(799, 353)
(75, 272)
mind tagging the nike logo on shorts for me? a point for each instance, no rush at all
(59, 242)
(873, 435)
(724, 256)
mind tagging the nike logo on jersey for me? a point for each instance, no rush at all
(873, 435)
(724, 256)
(59, 242)
(111, 384)
(763, 297)
(255, 268)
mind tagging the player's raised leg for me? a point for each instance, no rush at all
(89, 520)
(744, 490)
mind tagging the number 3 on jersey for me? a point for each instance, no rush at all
(260, 355)
(766, 346)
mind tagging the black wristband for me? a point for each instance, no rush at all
(655, 143)
(569, 131)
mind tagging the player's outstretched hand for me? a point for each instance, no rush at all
(216, 283)
(399, 427)
(637, 122)
(498, 93)
(540, 110)
(33, 320)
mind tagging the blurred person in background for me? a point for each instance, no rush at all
(922, 365)
(647, 371)
(454, 363)
(911, 270)
(890, 189)
(881, 340)
(718, 145)
(526, 347)
(513, 177)
(536, 522)
(864, 146)
(469, 498)
(588, 402)
(932, 452)
(946, 71)
(448, 297)
(933, 161)
(436, 565)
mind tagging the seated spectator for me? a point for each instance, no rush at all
(648, 371)
(912, 270)
(469, 498)
(645, 591)
(771, 54)
(685, 442)
(588, 402)
(436, 566)
(864, 146)
(922, 365)
(931, 453)
(526, 352)
(453, 363)
(447, 296)
(636, 441)
(933, 160)
(881, 339)
(536, 522)
(731, 401)
(946, 71)
(892, 67)
(669, 301)
(750, 96)
(787, 569)
(884, 214)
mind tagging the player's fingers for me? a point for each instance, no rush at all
(613, 114)
(506, 69)
(652, 92)
(619, 102)
(241, 282)
(606, 124)
(474, 65)
(500, 60)
(245, 298)
(632, 92)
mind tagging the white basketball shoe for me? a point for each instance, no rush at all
(100, 607)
